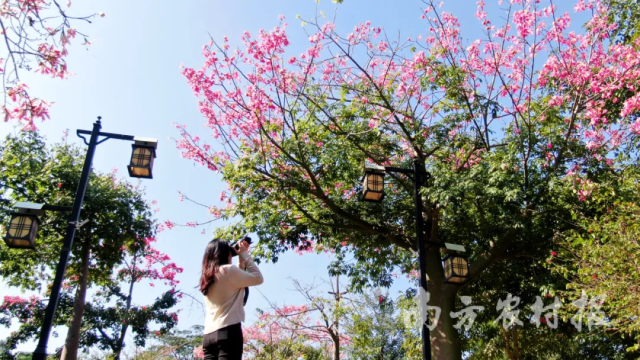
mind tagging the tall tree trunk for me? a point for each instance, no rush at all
(335, 338)
(72, 343)
(120, 344)
(125, 325)
(445, 342)
(335, 334)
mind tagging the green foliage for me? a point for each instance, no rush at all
(119, 232)
(176, 344)
(375, 332)
(625, 14)
(103, 323)
(117, 213)
(290, 349)
(602, 257)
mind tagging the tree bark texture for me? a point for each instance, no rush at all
(72, 342)
(123, 331)
(336, 346)
(445, 341)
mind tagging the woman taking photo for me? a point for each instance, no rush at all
(222, 285)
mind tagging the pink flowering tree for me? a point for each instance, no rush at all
(331, 325)
(28, 312)
(112, 311)
(517, 129)
(107, 323)
(36, 35)
(311, 330)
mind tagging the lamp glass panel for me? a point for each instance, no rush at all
(20, 226)
(374, 182)
(460, 266)
(141, 162)
(372, 196)
(456, 269)
(139, 172)
(447, 267)
(141, 157)
(18, 243)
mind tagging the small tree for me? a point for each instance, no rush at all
(111, 313)
(374, 329)
(106, 324)
(175, 344)
(311, 329)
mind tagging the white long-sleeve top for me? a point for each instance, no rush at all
(224, 299)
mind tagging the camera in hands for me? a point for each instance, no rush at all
(235, 247)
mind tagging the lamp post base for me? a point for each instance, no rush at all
(39, 354)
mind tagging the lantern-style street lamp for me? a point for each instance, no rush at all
(456, 268)
(142, 155)
(23, 227)
(141, 165)
(373, 183)
(25, 222)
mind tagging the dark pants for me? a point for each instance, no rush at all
(224, 344)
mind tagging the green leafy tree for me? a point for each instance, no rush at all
(111, 312)
(374, 329)
(175, 344)
(117, 214)
(601, 258)
(518, 129)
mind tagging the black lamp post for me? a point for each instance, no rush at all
(373, 191)
(140, 166)
(373, 176)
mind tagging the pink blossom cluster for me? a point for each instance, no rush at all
(520, 74)
(582, 186)
(24, 308)
(150, 264)
(11, 300)
(37, 43)
(198, 352)
(288, 322)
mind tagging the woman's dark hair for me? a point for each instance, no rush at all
(216, 255)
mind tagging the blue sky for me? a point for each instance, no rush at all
(130, 76)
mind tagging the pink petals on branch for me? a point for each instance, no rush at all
(533, 57)
(41, 46)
